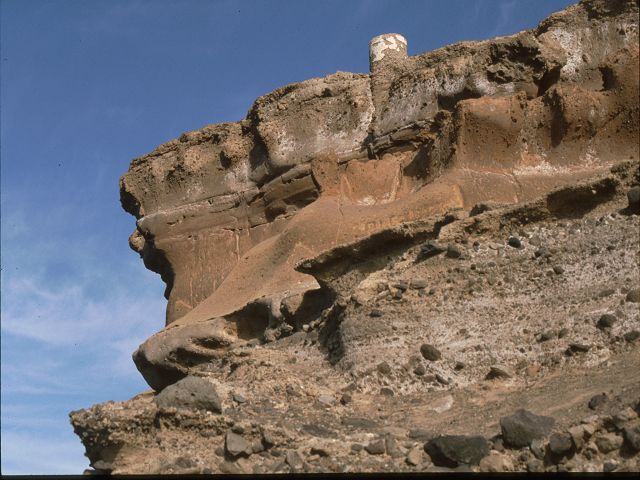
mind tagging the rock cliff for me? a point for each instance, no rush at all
(443, 234)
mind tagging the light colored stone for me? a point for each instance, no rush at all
(608, 442)
(496, 462)
(327, 400)
(577, 436)
(442, 404)
(236, 445)
(415, 456)
(589, 429)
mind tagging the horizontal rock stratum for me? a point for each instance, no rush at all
(282, 240)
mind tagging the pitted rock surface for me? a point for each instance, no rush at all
(369, 262)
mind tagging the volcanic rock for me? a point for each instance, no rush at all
(606, 321)
(632, 436)
(633, 295)
(429, 352)
(376, 447)
(190, 392)
(514, 242)
(294, 460)
(597, 400)
(454, 450)
(632, 336)
(499, 371)
(576, 348)
(522, 427)
(633, 196)
(560, 444)
(453, 251)
(430, 249)
(236, 445)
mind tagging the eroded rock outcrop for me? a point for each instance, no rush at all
(224, 213)
(285, 225)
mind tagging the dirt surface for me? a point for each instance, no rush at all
(458, 241)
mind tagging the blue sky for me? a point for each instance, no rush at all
(88, 85)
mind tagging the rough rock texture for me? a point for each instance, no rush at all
(454, 450)
(432, 245)
(523, 427)
(192, 393)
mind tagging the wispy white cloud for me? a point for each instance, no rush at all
(67, 338)
(27, 417)
(365, 9)
(503, 17)
(24, 454)
(33, 376)
(69, 316)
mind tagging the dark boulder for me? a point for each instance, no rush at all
(606, 321)
(195, 393)
(429, 352)
(514, 242)
(377, 447)
(633, 196)
(576, 348)
(631, 336)
(430, 249)
(560, 444)
(454, 450)
(597, 400)
(522, 427)
(631, 436)
(454, 251)
(633, 296)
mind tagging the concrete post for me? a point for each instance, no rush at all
(391, 45)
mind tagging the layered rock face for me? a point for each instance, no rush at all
(283, 225)
(225, 213)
